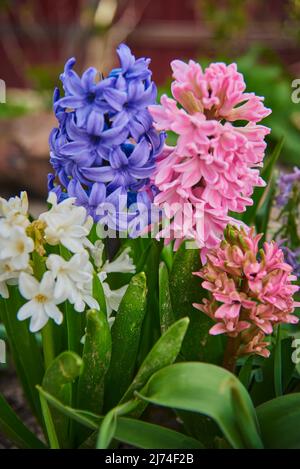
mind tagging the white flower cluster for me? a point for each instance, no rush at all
(123, 263)
(15, 245)
(64, 280)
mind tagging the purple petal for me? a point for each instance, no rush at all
(115, 98)
(140, 154)
(142, 173)
(98, 194)
(95, 123)
(73, 148)
(71, 102)
(127, 60)
(88, 78)
(117, 158)
(103, 174)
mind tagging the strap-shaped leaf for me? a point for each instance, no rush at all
(163, 353)
(165, 305)
(207, 389)
(96, 359)
(24, 348)
(259, 192)
(133, 432)
(279, 421)
(15, 430)
(57, 381)
(126, 332)
(185, 289)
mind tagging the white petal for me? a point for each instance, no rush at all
(52, 198)
(53, 312)
(72, 244)
(28, 286)
(38, 320)
(54, 263)
(61, 289)
(91, 302)
(26, 311)
(115, 297)
(4, 290)
(47, 284)
(79, 305)
(123, 264)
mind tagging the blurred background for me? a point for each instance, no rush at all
(36, 38)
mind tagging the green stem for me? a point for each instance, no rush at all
(48, 344)
(230, 355)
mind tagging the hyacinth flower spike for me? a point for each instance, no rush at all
(106, 138)
(250, 292)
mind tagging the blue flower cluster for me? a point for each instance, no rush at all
(106, 144)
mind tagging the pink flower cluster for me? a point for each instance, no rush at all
(214, 166)
(250, 289)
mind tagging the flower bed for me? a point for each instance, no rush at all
(101, 302)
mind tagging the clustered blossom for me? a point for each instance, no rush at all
(214, 166)
(67, 225)
(15, 245)
(123, 263)
(250, 289)
(106, 145)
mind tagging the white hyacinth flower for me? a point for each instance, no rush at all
(8, 276)
(41, 304)
(13, 212)
(113, 297)
(122, 264)
(67, 224)
(96, 251)
(16, 248)
(73, 280)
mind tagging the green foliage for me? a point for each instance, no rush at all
(126, 333)
(185, 289)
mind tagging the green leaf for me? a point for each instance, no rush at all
(165, 305)
(23, 346)
(278, 364)
(87, 419)
(14, 429)
(96, 359)
(149, 436)
(49, 424)
(245, 373)
(185, 289)
(259, 192)
(151, 324)
(163, 353)
(264, 390)
(126, 332)
(246, 419)
(264, 212)
(207, 389)
(133, 432)
(57, 381)
(279, 421)
(98, 293)
(109, 424)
